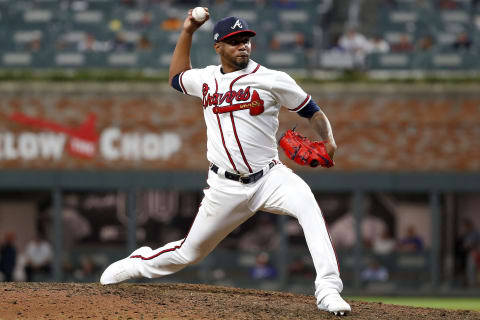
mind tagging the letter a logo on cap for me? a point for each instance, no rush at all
(237, 24)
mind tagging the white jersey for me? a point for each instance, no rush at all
(241, 112)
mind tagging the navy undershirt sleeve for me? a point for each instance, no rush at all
(309, 109)
(176, 83)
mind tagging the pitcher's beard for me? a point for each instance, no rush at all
(242, 64)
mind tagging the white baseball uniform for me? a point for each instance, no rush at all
(241, 113)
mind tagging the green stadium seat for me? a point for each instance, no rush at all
(336, 60)
(69, 60)
(122, 59)
(456, 16)
(293, 16)
(403, 16)
(88, 17)
(283, 60)
(23, 36)
(36, 16)
(17, 59)
(164, 59)
(394, 36)
(389, 61)
(249, 15)
(454, 61)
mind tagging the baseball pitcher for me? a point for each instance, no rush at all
(241, 101)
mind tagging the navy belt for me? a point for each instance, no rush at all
(241, 178)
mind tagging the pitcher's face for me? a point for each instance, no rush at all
(234, 51)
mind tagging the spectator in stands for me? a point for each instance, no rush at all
(263, 269)
(8, 257)
(355, 43)
(412, 242)
(462, 42)
(39, 255)
(119, 44)
(385, 244)
(403, 45)
(374, 272)
(172, 23)
(425, 43)
(344, 235)
(474, 274)
(471, 245)
(378, 45)
(115, 25)
(145, 22)
(90, 44)
(448, 5)
(263, 236)
(144, 44)
(34, 45)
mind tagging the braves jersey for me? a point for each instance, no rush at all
(241, 112)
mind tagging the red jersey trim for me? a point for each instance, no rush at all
(170, 249)
(233, 121)
(303, 104)
(181, 83)
(221, 133)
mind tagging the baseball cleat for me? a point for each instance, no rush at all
(335, 304)
(122, 270)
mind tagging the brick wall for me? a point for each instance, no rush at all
(377, 127)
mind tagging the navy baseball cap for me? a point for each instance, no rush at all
(230, 26)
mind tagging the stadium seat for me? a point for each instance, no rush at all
(69, 60)
(16, 59)
(403, 16)
(455, 16)
(122, 59)
(388, 61)
(35, 16)
(249, 15)
(88, 17)
(336, 60)
(281, 59)
(293, 16)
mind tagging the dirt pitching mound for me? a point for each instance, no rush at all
(183, 301)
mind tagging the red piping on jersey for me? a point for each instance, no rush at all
(168, 250)
(221, 133)
(181, 83)
(233, 121)
(302, 104)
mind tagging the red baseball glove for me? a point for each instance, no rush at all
(303, 151)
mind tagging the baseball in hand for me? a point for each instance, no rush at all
(199, 14)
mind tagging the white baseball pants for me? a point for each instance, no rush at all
(227, 204)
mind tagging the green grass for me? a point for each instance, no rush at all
(453, 303)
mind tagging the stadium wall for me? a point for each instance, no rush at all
(382, 128)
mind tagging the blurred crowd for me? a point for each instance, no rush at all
(99, 220)
(33, 263)
(357, 39)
